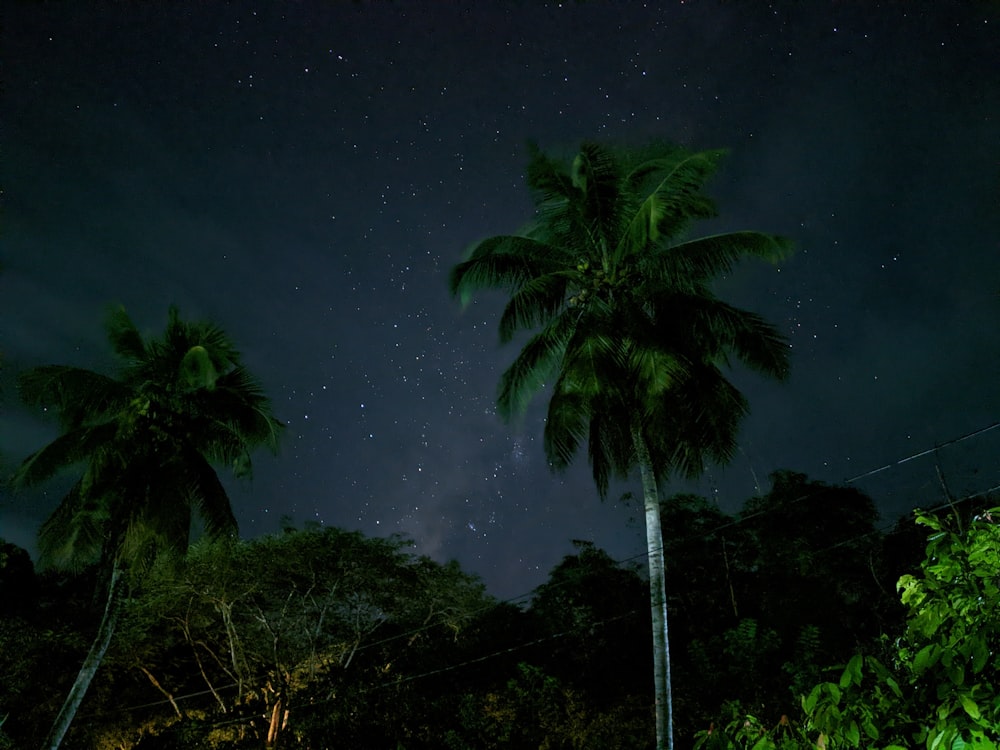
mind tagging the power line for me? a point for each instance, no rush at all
(701, 535)
(926, 452)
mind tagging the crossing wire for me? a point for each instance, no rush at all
(515, 599)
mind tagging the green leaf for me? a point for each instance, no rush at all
(970, 706)
(956, 673)
(926, 657)
(809, 701)
(852, 673)
(980, 654)
(853, 733)
(870, 729)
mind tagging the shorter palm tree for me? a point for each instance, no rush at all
(146, 442)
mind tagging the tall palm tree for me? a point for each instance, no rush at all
(146, 441)
(630, 340)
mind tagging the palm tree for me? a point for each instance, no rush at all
(630, 341)
(146, 442)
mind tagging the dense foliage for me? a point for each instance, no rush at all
(321, 637)
(939, 687)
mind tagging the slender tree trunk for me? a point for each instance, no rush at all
(272, 731)
(166, 693)
(664, 706)
(90, 664)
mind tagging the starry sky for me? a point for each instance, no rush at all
(305, 173)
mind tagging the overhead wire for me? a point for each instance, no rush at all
(618, 562)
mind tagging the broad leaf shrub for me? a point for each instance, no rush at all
(941, 690)
(744, 731)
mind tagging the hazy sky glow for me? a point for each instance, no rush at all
(304, 174)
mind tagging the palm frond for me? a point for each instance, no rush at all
(697, 424)
(721, 330)
(536, 365)
(592, 363)
(168, 351)
(77, 396)
(548, 179)
(504, 262)
(208, 497)
(647, 161)
(72, 537)
(761, 347)
(597, 175)
(217, 344)
(126, 341)
(566, 426)
(236, 414)
(69, 449)
(673, 204)
(156, 519)
(706, 258)
(609, 445)
(534, 303)
(654, 370)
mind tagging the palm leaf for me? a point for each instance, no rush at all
(208, 497)
(696, 425)
(216, 343)
(504, 262)
(609, 444)
(597, 175)
(566, 426)
(592, 360)
(672, 204)
(536, 365)
(237, 417)
(709, 257)
(654, 370)
(720, 329)
(534, 303)
(76, 395)
(547, 178)
(158, 519)
(73, 536)
(66, 450)
(126, 341)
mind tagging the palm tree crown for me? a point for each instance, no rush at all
(630, 333)
(147, 440)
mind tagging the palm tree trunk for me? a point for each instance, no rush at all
(90, 665)
(664, 706)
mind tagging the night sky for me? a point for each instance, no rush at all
(305, 173)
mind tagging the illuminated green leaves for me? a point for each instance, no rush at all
(945, 689)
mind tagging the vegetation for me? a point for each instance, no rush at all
(318, 636)
(146, 441)
(629, 333)
(939, 687)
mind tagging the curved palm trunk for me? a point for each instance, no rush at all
(90, 665)
(657, 597)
